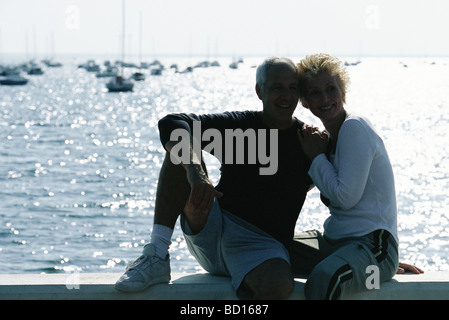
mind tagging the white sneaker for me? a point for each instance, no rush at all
(146, 271)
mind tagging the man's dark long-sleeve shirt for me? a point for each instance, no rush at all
(270, 202)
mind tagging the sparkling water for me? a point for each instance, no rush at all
(79, 165)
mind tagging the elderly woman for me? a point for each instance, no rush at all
(351, 168)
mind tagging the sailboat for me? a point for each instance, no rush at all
(13, 80)
(10, 76)
(139, 76)
(50, 61)
(119, 83)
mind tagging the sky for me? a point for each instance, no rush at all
(212, 28)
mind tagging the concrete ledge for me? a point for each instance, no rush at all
(100, 286)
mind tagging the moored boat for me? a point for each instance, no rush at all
(119, 84)
(13, 80)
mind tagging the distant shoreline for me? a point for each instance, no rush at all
(11, 58)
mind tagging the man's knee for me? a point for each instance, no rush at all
(275, 289)
(272, 280)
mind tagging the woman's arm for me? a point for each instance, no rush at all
(344, 186)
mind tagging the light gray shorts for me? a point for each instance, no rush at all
(230, 246)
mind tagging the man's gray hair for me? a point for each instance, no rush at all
(262, 69)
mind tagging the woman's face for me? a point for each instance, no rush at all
(324, 97)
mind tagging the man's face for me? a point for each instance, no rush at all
(279, 96)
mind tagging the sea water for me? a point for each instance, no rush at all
(79, 165)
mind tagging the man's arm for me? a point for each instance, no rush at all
(202, 192)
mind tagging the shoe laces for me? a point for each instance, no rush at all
(139, 261)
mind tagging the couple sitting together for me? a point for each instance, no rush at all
(244, 226)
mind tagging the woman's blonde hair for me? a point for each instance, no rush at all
(313, 65)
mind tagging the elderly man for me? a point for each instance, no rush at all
(242, 227)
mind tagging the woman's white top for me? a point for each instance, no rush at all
(358, 180)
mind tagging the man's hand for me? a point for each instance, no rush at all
(201, 198)
(202, 191)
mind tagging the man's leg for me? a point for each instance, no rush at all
(172, 197)
(271, 280)
(172, 193)
(153, 266)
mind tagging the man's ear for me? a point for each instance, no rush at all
(259, 91)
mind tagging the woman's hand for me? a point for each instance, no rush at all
(404, 267)
(312, 141)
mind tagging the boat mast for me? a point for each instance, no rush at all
(140, 38)
(123, 36)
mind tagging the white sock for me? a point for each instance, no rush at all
(161, 239)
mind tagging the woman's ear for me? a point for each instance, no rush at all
(304, 103)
